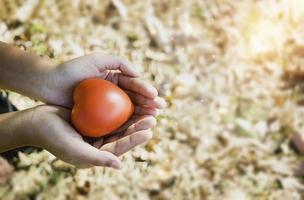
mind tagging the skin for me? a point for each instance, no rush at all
(49, 126)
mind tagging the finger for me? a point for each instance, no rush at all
(72, 149)
(116, 134)
(139, 110)
(147, 102)
(106, 62)
(111, 62)
(127, 143)
(137, 85)
(120, 131)
(84, 153)
(145, 123)
(98, 142)
(127, 124)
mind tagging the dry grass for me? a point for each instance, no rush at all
(231, 72)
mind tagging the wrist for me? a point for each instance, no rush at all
(23, 72)
(15, 130)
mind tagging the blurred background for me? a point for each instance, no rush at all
(231, 72)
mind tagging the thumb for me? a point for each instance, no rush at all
(69, 146)
(84, 154)
(107, 62)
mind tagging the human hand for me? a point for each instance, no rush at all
(51, 130)
(60, 82)
(40, 79)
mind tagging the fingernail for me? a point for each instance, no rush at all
(115, 165)
(152, 91)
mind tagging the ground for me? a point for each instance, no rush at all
(230, 71)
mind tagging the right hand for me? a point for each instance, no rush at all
(57, 85)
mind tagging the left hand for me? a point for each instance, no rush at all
(51, 130)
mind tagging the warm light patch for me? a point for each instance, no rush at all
(267, 26)
(266, 36)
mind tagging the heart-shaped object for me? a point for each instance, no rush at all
(100, 107)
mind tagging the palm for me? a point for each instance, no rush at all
(145, 107)
(72, 148)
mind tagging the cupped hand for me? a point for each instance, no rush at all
(52, 131)
(61, 81)
(65, 142)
